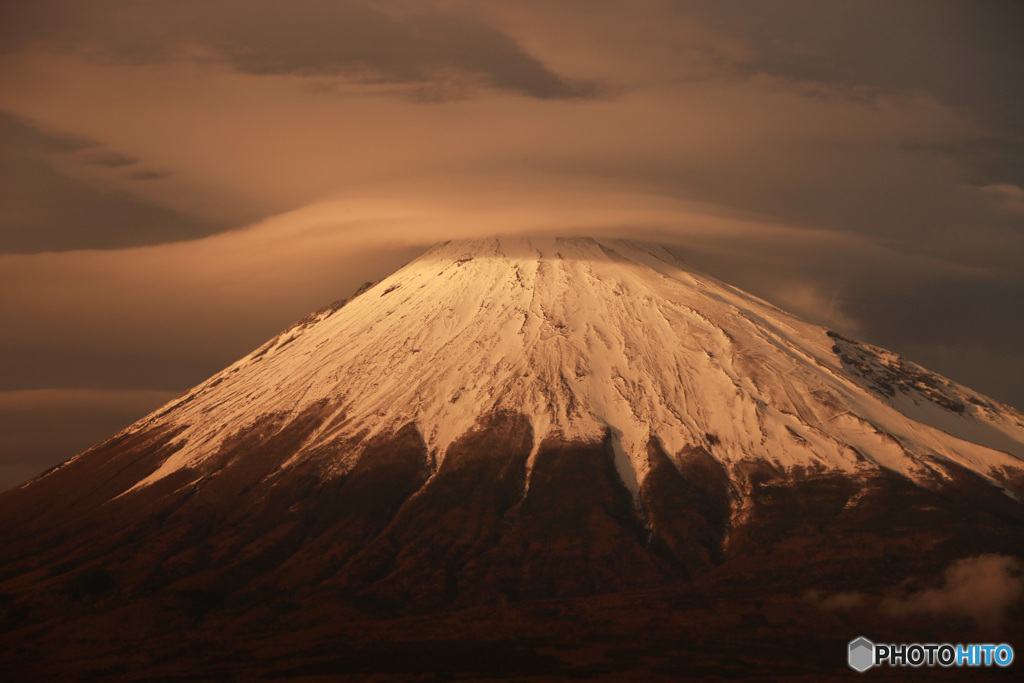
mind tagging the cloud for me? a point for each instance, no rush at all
(427, 44)
(166, 316)
(749, 145)
(981, 588)
(807, 300)
(46, 205)
(969, 56)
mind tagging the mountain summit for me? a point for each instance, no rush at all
(582, 338)
(510, 420)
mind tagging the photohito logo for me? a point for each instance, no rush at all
(864, 654)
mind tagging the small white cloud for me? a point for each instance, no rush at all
(809, 301)
(981, 588)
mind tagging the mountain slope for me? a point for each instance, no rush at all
(516, 419)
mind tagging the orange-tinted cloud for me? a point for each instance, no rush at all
(427, 44)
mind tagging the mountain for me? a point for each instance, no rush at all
(546, 430)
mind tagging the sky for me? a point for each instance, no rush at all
(179, 181)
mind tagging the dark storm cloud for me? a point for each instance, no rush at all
(43, 209)
(373, 42)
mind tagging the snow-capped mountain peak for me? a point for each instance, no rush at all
(587, 337)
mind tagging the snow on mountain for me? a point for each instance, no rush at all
(584, 336)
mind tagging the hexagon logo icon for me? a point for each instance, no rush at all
(862, 654)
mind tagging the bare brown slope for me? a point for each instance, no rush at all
(257, 565)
